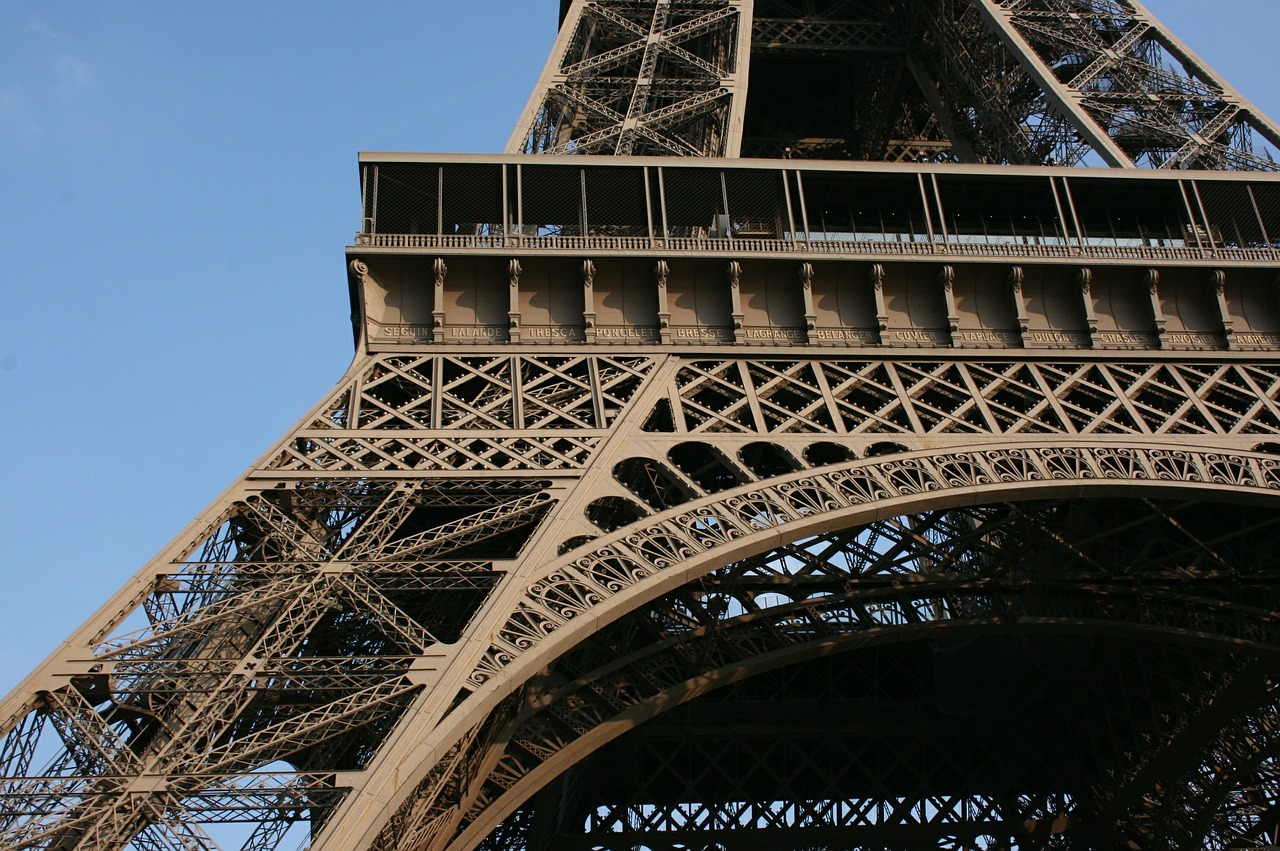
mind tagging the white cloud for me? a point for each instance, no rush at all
(16, 120)
(75, 74)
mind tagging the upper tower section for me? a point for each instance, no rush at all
(1016, 82)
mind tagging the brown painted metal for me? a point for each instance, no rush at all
(923, 499)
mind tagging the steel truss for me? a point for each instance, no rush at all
(999, 81)
(680, 551)
(267, 666)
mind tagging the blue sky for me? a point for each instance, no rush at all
(177, 184)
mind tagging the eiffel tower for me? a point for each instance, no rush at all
(832, 424)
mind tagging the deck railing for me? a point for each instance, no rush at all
(859, 247)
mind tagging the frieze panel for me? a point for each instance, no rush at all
(552, 333)
(476, 333)
(626, 334)
(1004, 339)
(757, 334)
(1040, 339)
(702, 334)
(400, 333)
(1256, 341)
(835, 336)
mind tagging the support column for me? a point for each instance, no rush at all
(661, 272)
(1084, 278)
(513, 308)
(1016, 277)
(876, 275)
(437, 304)
(588, 301)
(1218, 280)
(1152, 281)
(734, 274)
(806, 292)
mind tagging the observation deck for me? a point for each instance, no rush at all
(644, 250)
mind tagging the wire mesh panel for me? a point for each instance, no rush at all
(757, 205)
(864, 208)
(472, 200)
(693, 203)
(1232, 214)
(1267, 198)
(550, 201)
(994, 210)
(405, 198)
(615, 202)
(1130, 213)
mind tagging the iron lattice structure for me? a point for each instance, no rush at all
(992, 81)
(919, 498)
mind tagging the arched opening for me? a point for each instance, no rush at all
(877, 450)
(705, 466)
(651, 482)
(578, 540)
(609, 513)
(1003, 675)
(824, 453)
(767, 460)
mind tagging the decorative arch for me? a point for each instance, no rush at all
(647, 558)
(618, 572)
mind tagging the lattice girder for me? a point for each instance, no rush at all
(310, 611)
(1053, 81)
(796, 450)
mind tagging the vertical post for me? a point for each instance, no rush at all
(724, 200)
(373, 214)
(806, 292)
(1257, 211)
(648, 206)
(1016, 277)
(588, 301)
(506, 206)
(1218, 281)
(947, 277)
(1208, 225)
(366, 218)
(734, 274)
(876, 275)
(519, 234)
(660, 273)
(804, 210)
(1194, 225)
(928, 217)
(437, 301)
(662, 202)
(1084, 278)
(1075, 219)
(786, 197)
(1063, 225)
(513, 305)
(1152, 280)
(937, 203)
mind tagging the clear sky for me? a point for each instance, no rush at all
(177, 185)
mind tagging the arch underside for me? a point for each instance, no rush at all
(1071, 673)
